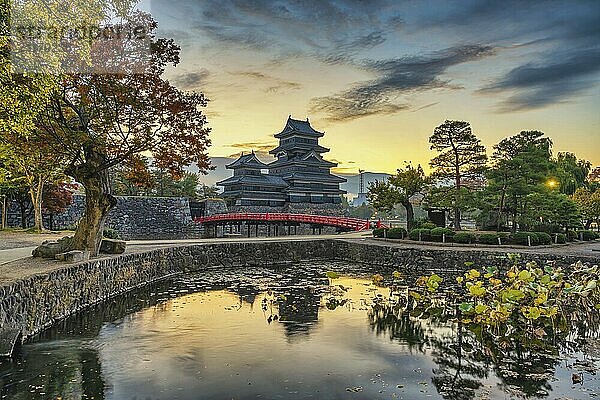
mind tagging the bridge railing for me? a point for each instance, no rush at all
(345, 222)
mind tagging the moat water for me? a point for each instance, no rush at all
(287, 333)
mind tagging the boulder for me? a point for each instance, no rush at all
(48, 249)
(112, 246)
(72, 256)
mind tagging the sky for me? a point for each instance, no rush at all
(378, 76)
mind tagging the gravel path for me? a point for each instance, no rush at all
(17, 239)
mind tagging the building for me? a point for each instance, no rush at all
(299, 173)
(249, 186)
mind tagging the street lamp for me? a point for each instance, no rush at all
(552, 183)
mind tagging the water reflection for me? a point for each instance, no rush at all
(273, 334)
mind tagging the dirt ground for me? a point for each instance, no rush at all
(12, 239)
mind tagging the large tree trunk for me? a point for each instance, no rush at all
(410, 215)
(500, 211)
(35, 192)
(23, 212)
(457, 201)
(98, 203)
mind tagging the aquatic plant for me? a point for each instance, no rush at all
(532, 300)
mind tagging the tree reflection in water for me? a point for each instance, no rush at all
(65, 363)
(465, 356)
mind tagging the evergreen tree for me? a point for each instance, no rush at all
(462, 157)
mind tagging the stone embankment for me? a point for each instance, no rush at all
(36, 302)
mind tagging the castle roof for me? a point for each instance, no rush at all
(310, 158)
(295, 126)
(247, 161)
(299, 146)
(262, 180)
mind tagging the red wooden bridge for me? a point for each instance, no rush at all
(354, 224)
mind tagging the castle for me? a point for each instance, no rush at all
(298, 175)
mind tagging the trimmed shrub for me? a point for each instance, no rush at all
(544, 238)
(425, 234)
(437, 234)
(110, 233)
(428, 225)
(587, 235)
(396, 233)
(548, 228)
(379, 232)
(521, 238)
(561, 238)
(572, 235)
(464, 237)
(488, 238)
(423, 223)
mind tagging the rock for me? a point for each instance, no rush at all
(48, 249)
(112, 246)
(72, 256)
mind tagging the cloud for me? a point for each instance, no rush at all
(191, 80)
(556, 79)
(325, 28)
(345, 107)
(274, 84)
(256, 146)
(552, 39)
(395, 77)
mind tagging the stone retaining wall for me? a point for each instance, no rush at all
(35, 303)
(134, 217)
(448, 260)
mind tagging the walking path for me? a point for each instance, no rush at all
(17, 263)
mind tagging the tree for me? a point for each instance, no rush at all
(31, 159)
(461, 156)
(570, 172)
(56, 198)
(521, 165)
(548, 208)
(24, 88)
(133, 177)
(588, 204)
(98, 121)
(398, 189)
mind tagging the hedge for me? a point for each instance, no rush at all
(572, 235)
(425, 234)
(587, 235)
(396, 233)
(544, 238)
(379, 232)
(437, 234)
(488, 238)
(561, 238)
(464, 237)
(521, 238)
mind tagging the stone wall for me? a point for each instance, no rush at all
(133, 217)
(34, 303)
(215, 206)
(153, 218)
(449, 261)
(245, 229)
